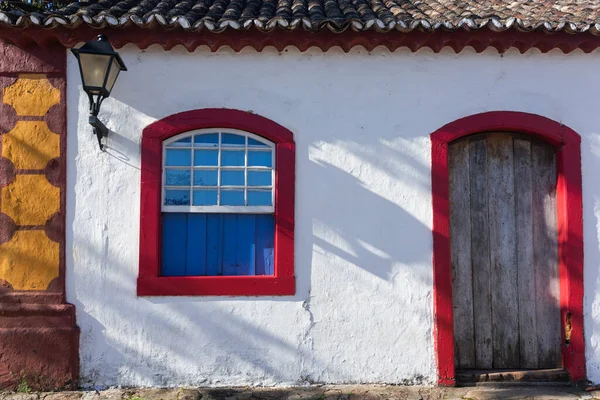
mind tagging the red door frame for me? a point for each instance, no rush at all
(570, 229)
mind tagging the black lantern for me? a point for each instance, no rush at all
(99, 65)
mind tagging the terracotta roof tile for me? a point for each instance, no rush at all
(575, 16)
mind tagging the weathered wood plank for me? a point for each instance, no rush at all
(503, 257)
(526, 277)
(480, 255)
(545, 253)
(460, 242)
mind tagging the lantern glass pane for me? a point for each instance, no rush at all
(93, 70)
(112, 75)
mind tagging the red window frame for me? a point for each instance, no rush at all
(150, 282)
(569, 210)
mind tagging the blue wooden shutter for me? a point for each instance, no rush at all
(217, 244)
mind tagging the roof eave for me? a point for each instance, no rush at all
(414, 40)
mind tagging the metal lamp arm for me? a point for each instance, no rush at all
(100, 130)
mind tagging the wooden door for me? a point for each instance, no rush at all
(504, 253)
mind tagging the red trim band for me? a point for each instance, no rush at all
(570, 227)
(150, 283)
(216, 286)
(479, 40)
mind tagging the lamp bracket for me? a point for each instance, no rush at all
(100, 130)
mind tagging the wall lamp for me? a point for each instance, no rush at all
(99, 65)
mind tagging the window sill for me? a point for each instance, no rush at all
(216, 286)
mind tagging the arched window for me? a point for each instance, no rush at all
(218, 170)
(217, 206)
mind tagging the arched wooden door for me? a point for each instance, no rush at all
(504, 252)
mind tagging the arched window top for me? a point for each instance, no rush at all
(218, 170)
(207, 137)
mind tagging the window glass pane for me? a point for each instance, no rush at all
(185, 142)
(232, 197)
(178, 157)
(206, 157)
(247, 163)
(177, 197)
(231, 140)
(232, 178)
(178, 177)
(259, 198)
(205, 197)
(204, 177)
(232, 158)
(259, 178)
(260, 159)
(207, 140)
(256, 143)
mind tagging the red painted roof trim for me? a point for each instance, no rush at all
(570, 228)
(458, 40)
(150, 283)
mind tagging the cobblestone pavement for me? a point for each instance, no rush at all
(366, 392)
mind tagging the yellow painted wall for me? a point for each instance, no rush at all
(30, 260)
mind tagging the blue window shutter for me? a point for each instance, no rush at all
(229, 244)
(245, 244)
(214, 248)
(265, 238)
(217, 244)
(196, 244)
(174, 243)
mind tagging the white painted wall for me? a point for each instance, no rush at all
(363, 308)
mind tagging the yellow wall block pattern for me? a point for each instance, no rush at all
(30, 200)
(30, 145)
(31, 95)
(29, 261)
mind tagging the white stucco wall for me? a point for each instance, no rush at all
(363, 308)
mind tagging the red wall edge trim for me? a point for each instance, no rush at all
(479, 40)
(570, 228)
(150, 283)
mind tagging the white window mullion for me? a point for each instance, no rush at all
(221, 209)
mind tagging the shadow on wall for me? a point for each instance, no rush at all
(353, 235)
(172, 363)
(358, 231)
(376, 235)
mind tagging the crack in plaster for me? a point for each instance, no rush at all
(306, 346)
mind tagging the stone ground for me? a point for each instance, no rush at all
(366, 392)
